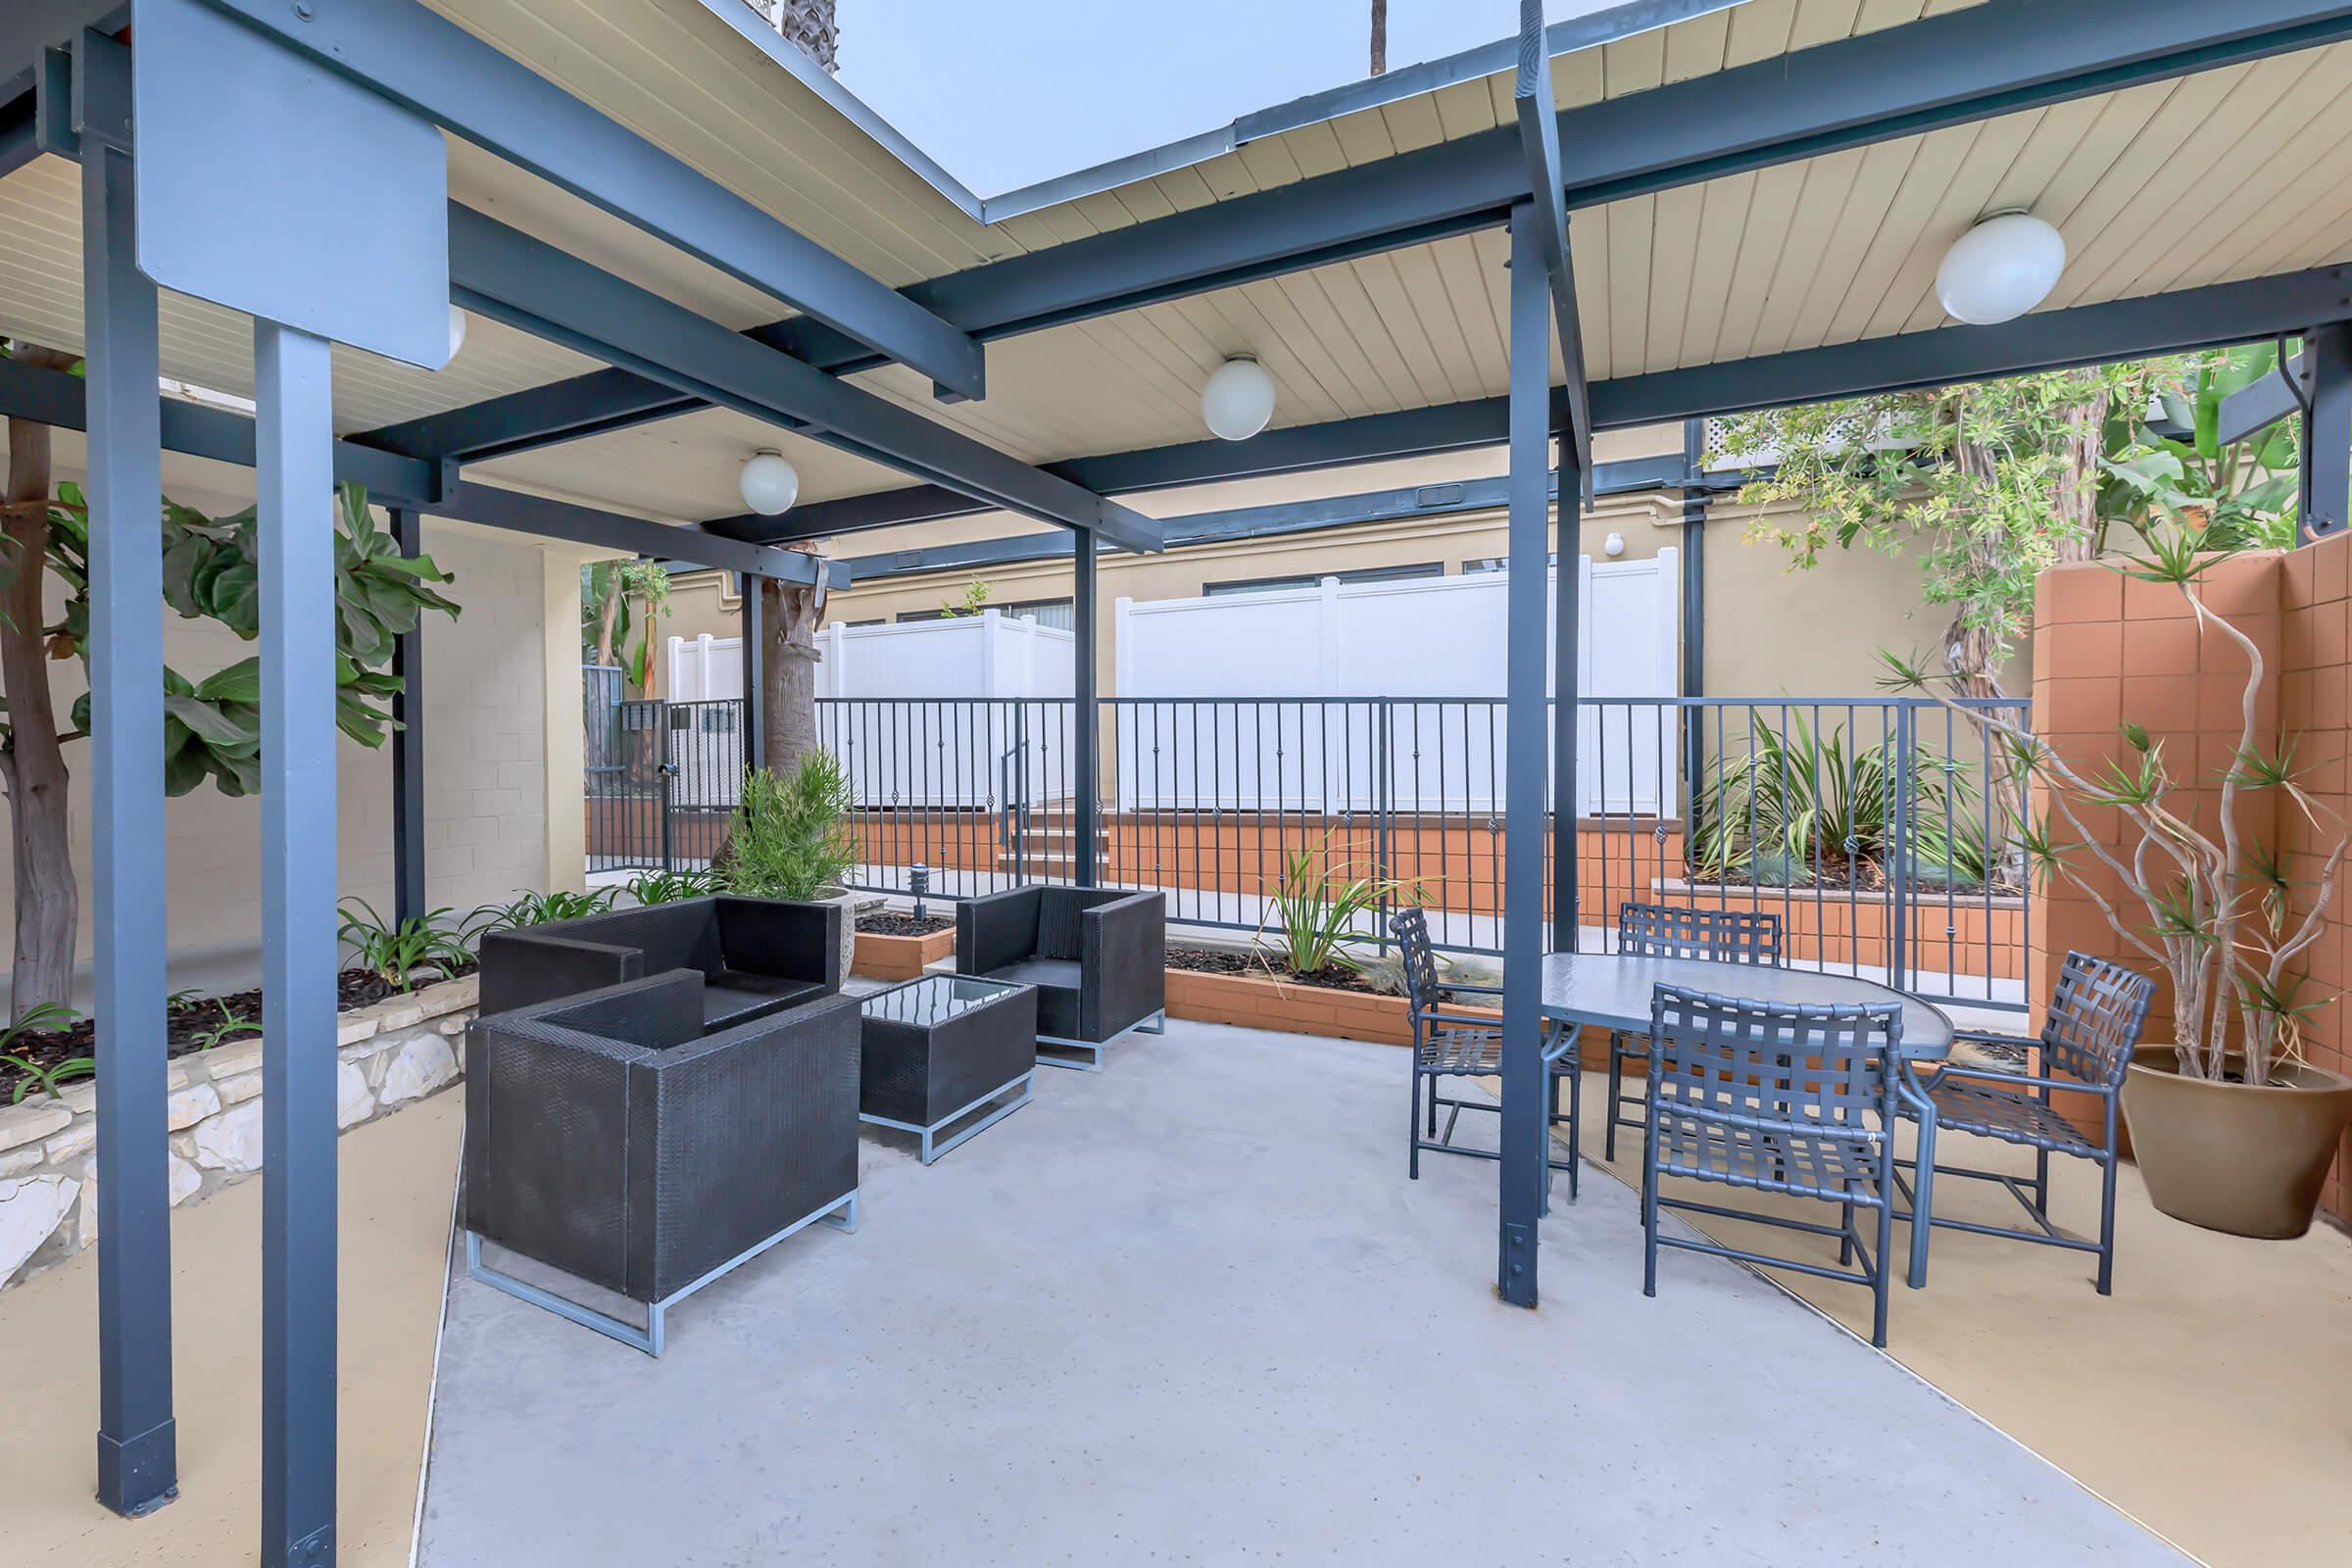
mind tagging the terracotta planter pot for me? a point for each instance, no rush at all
(2244, 1160)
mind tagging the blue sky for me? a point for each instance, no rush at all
(1007, 92)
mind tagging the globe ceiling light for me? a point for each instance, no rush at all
(1239, 399)
(771, 483)
(457, 331)
(2000, 270)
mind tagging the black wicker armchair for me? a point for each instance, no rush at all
(1097, 957)
(608, 1138)
(755, 955)
(2094, 1020)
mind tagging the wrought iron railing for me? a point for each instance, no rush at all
(1877, 829)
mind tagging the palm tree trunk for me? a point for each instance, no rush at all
(1380, 37)
(33, 764)
(790, 612)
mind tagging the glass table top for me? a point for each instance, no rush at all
(934, 999)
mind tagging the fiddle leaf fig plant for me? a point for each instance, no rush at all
(212, 723)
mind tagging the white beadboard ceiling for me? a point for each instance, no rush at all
(2226, 175)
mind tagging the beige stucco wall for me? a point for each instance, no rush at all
(1773, 631)
(495, 762)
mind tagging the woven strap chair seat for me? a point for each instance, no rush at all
(1970, 1106)
(1806, 1158)
(1464, 1050)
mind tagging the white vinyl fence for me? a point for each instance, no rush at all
(1341, 698)
(928, 712)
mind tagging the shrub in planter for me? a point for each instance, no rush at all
(790, 839)
(2232, 1129)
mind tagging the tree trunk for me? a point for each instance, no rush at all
(608, 614)
(32, 765)
(2077, 493)
(791, 612)
(1380, 37)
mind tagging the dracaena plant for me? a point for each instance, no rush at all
(2216, 910)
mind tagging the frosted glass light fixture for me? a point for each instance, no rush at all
(771, 483)
(1237, 400)
(457, 331)
(2000, 270)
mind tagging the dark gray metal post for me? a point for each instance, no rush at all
(2327, 479)
(1084, 746)
(755, 674)
(295, 478)
(138, 1458)
(1523, 1096)
(408, 746)
(1695, 621)
(1567, 685)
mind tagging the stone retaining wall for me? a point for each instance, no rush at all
(391, 1053)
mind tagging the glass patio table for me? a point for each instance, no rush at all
(1612, 991)
(937, 1049)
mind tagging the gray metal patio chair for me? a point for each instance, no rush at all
(1774, 1098)
(2095, 1018)
(1655, 931)
(1448, 1045)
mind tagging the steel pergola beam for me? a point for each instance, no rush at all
(2085, 334)
(1964, 66)
(533, 286)
(1279, 519)
(2262, 405)
(437, 70)
(58, 398)
(1539, 145)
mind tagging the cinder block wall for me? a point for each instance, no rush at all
(2109, 650)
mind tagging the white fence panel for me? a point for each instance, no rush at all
(1312, 658)
(705, 669)
(936, 713)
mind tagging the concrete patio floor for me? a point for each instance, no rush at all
(1189, 1311)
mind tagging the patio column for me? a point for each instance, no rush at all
(294, 473)
(1084, 750)
(1567, 685)
(137, 1448)
(1524, 1134)
(407, 745)
(755, 673)
(2326, 485)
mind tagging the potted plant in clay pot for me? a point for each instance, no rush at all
(790, 839)
(2232, 1129)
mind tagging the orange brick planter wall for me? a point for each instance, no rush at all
(2109, 648)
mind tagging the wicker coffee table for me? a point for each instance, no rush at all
(944, 1048)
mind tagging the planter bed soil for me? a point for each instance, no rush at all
(190, 1025)
(901, 925)
(1331, 977)
(1866, 877)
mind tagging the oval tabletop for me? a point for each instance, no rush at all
(1612, 991)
